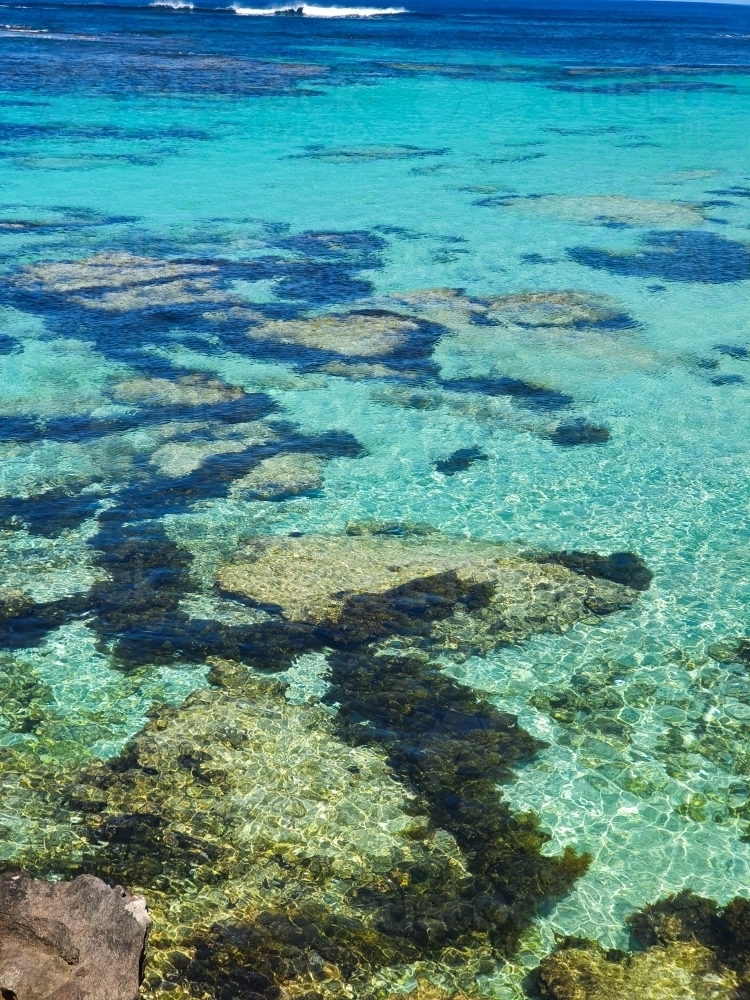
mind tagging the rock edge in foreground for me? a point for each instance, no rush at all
(79, 940)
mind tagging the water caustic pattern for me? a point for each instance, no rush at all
(374, 491)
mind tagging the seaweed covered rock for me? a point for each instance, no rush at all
(453, 748)
(70, 939)
(731, 650)
(582, 970)
(689, 917)
(693, 949)
(626, 568)
(453, 593)
(13, 604)
(301, 846)
(323, 849)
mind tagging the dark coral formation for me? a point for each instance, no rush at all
(526, 394)
(453, 749)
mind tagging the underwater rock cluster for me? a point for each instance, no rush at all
(366, 333)
(324, 847)
(444, 593)
(120, 282)
(308, 847)
(602, 210)
(692, 948)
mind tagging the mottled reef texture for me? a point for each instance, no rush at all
(311, 846)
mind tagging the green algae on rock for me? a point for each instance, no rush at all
(13, 603)
(693, 950)
(337, 581)
(731, 650)
(680, 970)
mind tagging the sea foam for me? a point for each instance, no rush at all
(309, 10)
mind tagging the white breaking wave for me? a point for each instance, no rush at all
(174, 4)
(309, 10)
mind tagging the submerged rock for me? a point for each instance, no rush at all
(453, 593)
(606, 209)
(70, 939)
(281, 476)
(189, 390)
(198, 442)
(365, 154)
(561, 310)
(322, 849)
(582, 970)
(681, 255)
(575, 432)
(13, 603)
(298, 844)
(366, 333)
(459, 461)
(626, 568)
(119, 282)
(731, 650)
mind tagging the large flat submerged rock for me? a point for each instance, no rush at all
(80, 940)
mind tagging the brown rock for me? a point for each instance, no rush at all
(80, 940)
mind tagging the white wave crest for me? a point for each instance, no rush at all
(309, 10)
(173, 4)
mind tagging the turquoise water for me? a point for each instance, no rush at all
(290, 169)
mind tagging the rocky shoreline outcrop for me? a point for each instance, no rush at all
(79, 940)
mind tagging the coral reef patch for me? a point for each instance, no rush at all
(366, 333)
(459, 461)
(574, 432)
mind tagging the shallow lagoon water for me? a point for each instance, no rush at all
(290, 168)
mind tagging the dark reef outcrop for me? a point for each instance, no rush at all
(621, 567)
